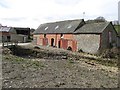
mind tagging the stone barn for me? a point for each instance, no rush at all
(76, 35)
(94, 37)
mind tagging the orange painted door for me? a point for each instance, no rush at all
(74, 45)
(64, 43)
(45, 41)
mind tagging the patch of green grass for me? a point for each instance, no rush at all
(19, 59)
(70, 61)
(37, 64)
(117, 27)
(24, 62)
(106, 62)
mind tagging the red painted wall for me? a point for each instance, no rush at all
(66, 41)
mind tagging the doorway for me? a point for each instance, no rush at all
(8, 38)
(58, 44)
(52, 42)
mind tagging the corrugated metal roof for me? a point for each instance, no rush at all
(5, 29)
(68, 26)
(93, 27)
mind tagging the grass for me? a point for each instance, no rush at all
(70, 61)
(105, 61)
(117, 27)
(111, 63)
(24, 62)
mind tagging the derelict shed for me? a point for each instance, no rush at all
(23, 31)
(22, 34)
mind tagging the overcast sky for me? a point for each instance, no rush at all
(32, 13)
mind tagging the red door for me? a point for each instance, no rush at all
(64, 43)
(74, 45)
(45, 41)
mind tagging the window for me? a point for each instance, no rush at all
(46, 28)
(69, 26)
(56, 27)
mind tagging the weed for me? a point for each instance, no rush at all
(36, 64)
(70, 60)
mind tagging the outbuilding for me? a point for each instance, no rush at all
(76, 35)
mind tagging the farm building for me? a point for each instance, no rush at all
(76, 35)
(10, 34)
(20, 34)
(4, 33)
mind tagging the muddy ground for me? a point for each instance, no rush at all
(42, 69)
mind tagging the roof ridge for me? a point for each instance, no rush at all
(62, 21)
(97, 22)
(107, 23)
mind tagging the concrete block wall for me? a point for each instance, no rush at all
(19, 38)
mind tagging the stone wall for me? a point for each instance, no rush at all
(105, 43)
(88, 42)
(118, 41)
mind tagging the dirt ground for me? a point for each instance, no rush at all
(22, 72)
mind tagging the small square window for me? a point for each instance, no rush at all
(56, 27)
(46, 28)
(70, 26)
